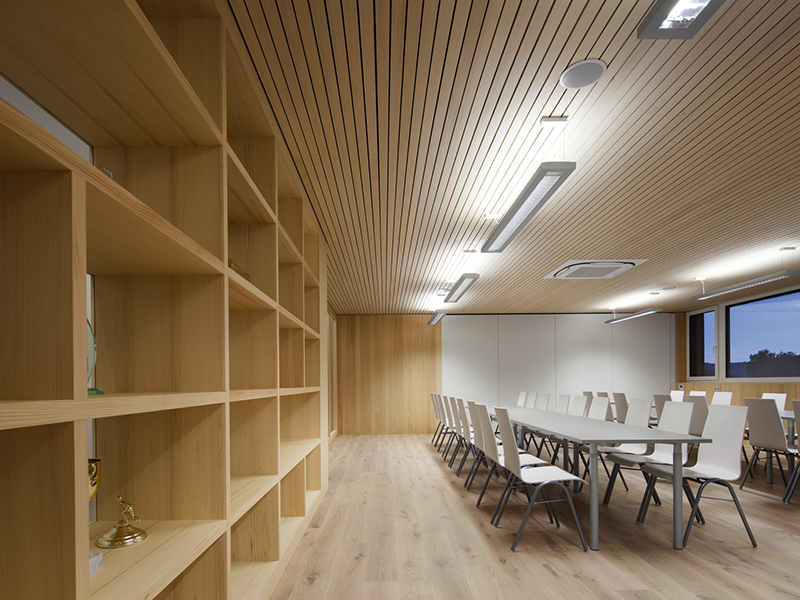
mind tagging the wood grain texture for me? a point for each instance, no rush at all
(253, 353)
(206, 577)
(408, 121)
(417, 532)
(38, 253)
(386, 368)
(293, 492)
(254, 437)
(254, 537)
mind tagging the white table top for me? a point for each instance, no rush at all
(787, 415)
(583, 430)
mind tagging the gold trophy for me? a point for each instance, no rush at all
(123, 533)
(94, 476)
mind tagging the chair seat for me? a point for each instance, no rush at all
(633, 460)
(539, 475)
(621, 449)
(525, 460)
(665, 472)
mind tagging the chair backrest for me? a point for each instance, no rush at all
(577, 406)
(531, 401)
(477, 432)
(766, 427)
(699, 414)
(435, 407)
(722, 398)
(700, 393)
(454, 414)
(603, 394)
(638, 413)
(621, 407)
(599, 408)
(675, 418)
(589, 395)
(780, 399)
(462, 413)
(511, 456)
(443, 405)
(724, 425)
(659, 400)
(521, 399)
(561, 404)
(542, 401)
(676, 395)
(487, 431)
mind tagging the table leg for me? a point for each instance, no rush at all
(576, 466)
(677, 497)
(769, 466)
(594, 503)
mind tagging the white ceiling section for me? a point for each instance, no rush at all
(408, 121)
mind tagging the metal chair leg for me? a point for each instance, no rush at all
(485, 485)
(525, 518)
(648, 494)
(690, 497)
(750, 466)
(436, 432)
(610, 487)
(504, 498)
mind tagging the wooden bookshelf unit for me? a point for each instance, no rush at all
(214, 371)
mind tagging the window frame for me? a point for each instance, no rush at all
(717, 345)
(722, 326)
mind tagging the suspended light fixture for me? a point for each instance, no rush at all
(676, 19)
(437, 316)
(461, 286)
(636, 315)
(786, 274)
(544, 183)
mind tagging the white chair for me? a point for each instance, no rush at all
(676, 395)
(621, 407)
(717, 462)
(438, 417)
(699, 414)
(675, 418)
(531, 401)
(766, 433)
(448, 429)
(589, 395)
(698, 393)
(787, 496)
(577, 406)
(538, 478)
(561, 404)
(495, 454)
(521, 399)
(467, 437)
(658, 401)
(722, 399)
(456, 421)
(540, 403)
(600, 409)
(603, 395)
(780, 400)
(542, 400)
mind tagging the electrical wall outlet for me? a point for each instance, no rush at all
(680, 387)
(717, 388)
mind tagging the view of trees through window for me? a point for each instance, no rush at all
(763, 337)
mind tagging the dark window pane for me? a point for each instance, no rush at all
(764, 337)
(701, 345)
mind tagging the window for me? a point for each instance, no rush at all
(703, 344)
(762, 337)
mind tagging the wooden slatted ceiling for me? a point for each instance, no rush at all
(407, 121)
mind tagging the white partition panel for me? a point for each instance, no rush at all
(527, 361)
(583, 354)
(470, 357)
(643, 356)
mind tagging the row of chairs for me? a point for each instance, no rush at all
(717, 463)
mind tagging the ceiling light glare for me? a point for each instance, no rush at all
(553, 122)
(582, 74)
(461, 286)
(747, 284)
(437, 316)
(636, 315)
(544, 183)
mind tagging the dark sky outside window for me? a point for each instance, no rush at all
(771, 324)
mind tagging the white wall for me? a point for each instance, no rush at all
(491, 358)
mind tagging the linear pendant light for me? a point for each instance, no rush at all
(437, 316)
(636, 315)
(747, 284)
(547, 179)
(462, 285)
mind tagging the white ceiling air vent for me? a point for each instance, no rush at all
(593, 269)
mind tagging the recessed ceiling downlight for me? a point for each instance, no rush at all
(583, 74)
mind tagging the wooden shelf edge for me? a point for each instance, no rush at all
(258, 486)
(32, 413)
(248, 296)
(291, 246)
(292, 528)
(288, 320)
(242, 395)
(310, 274)
(250, 579)
(263, 205)
(298, 390)
(292, 452)
(311, 332)
(142, 571)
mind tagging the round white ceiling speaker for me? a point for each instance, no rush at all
(582, 74)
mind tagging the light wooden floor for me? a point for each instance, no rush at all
(397, 523)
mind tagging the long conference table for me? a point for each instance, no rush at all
(582, 431)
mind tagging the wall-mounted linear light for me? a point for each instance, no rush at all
(437, 316)
(461, 286)
(636, 315)
(747, 284)
(676, 19)
(547, 179)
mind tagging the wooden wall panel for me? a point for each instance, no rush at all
(387, 367)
